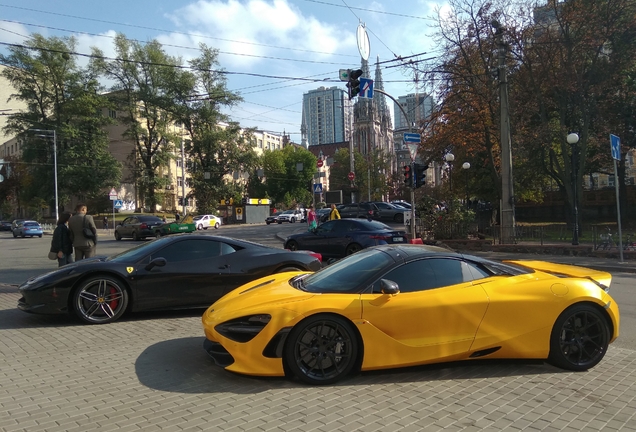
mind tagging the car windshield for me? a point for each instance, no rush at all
(348, 275)
(31, 224)
(288, 212)
(138, 252)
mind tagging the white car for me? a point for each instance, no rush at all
(290, 216)
(206, 221)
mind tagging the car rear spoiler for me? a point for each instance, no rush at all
(601, 278)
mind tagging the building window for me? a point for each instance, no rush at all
(112, 113)
(179, 163)
(179, 181)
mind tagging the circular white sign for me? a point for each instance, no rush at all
(363, 42)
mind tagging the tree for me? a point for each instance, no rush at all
(218, 149)
(285, 182)
(63, 97)
(147, 84)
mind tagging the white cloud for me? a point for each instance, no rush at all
(13, 33)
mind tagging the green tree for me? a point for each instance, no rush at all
(147, 85)
(285, 182)
(63, 97)
(221, 154)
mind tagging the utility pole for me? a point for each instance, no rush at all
(507, 191)
(183, 180)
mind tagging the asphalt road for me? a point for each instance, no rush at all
(21, 259)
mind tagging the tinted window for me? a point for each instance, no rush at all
(352, 274)
(371, 225)
(430, 273)
(31, 224)
(189, 250)
(384, 206)
(346, 225)
(149, 219)
(328, 227)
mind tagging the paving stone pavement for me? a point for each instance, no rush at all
(149, 372)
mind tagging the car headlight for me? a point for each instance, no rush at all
(243, 329)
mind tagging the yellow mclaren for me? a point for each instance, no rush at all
(403, 305)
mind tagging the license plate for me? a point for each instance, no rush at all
(398, 239)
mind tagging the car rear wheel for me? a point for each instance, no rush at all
(117, 236)
(14, 235)
(322, 349)
(100, 300)
(579, 338)
(292, 245)
(134, 236)
(216, 225)
(353, 248)
(158, 234)
(399, 218)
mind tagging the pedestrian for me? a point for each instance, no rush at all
(105, 222)
(177, 217)
(334, 213)
(311, 219)
(81, 227)
(61, 243)
(164, 219)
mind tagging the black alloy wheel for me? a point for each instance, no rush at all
(100, 300)
(353, 248)
(399, 218)
(579, 338)
(322, 349)
(134, 236)
(292, 245)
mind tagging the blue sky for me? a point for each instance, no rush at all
(283, 38)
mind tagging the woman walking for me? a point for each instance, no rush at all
(61, 243)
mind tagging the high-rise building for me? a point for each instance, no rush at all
(327, 116)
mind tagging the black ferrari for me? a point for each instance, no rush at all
(176, 272)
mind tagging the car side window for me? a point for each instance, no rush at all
(430, 273)
(327, 227)
(190, 250)
(343, 226)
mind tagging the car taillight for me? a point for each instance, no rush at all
(143, 225)
(380, 237)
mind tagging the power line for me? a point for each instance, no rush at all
(163, 44)
(368, 10)
(166, 31)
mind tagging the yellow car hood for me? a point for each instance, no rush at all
(265, 291)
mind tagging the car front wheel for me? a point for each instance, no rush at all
(292, 245)
(579, 338)
(322, 349)
(100, 300)
(117, 236)
(200, 227)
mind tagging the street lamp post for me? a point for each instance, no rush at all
(449, 159)
(466, 167)
(573, 140)
(57, 206)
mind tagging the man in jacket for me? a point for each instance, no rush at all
(84, 246)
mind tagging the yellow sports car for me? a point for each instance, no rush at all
(403, 305)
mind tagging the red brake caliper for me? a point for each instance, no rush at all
(113, 303)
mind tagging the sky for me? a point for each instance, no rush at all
(264, 45)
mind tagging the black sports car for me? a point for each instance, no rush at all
(176, 272)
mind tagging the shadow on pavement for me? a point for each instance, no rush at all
(182, 366)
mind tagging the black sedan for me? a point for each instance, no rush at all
(5, 226)
(138, 227)
(341, 237)
(176, 272)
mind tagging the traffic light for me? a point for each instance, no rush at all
(408, 176)
(354, 82)
(244, 200)
(419, 174)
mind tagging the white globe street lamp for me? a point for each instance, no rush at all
(466, 167)
(449, 159)
(573, 140)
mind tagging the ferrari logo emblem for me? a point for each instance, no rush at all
(129, 269)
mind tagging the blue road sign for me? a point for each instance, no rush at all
(317, 187)
(615, 142)
(118, 204)
(366, 88)
(412, 138)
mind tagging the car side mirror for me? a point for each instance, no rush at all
(389, 287)
(157, 262)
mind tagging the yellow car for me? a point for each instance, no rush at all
(403, 305)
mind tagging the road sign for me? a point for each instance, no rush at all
(364, 47)
(351, 175)
(344, 75)
(118, 204)
(319, 163)
(366, 88)
(112, 194)
(412, 150)
(412, 138)
(317, 187)
(615, 142)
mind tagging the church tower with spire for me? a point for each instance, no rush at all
(372, 125)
